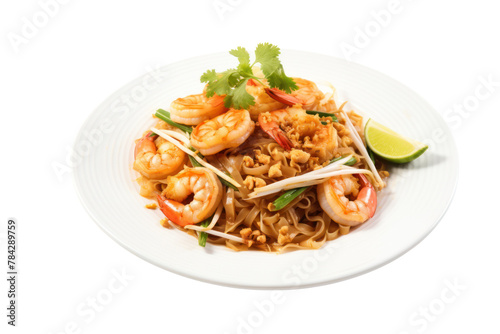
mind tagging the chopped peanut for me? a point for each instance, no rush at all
(151, 206)
(250, 237)
(263, 158)
(249, 182)
(284, 237)
(259, 182)
(248, 161)
(164, 222)
(245, 233)
(253, 182)
(275, 170)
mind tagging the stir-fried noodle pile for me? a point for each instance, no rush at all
(274, 140)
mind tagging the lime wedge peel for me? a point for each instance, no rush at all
(390, 145)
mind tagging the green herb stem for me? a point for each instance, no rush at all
(287, 198)
(227, 184)
(349, 162)
(165, 116)
(202, 236)
(323, 114)
(371, 154)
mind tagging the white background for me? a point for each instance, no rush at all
(54, 79)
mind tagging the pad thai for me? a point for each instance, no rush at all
(259, 160)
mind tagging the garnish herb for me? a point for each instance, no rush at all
(232, 82)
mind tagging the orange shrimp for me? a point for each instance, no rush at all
(206, 189)
(230, 129)
(263, 102)
(332, 197)
(322, 137)
(308, 95)
(270, 123)
(156, 158)
(194, 109)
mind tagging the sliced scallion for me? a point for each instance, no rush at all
(165, 116)
(202, 236)
(322, 114)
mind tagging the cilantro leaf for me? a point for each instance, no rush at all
(267, 55)
(279, 80)
(209, 76)
(241, 96)
(242, 54)
(244, 58)
(222, 84)
(232, 82)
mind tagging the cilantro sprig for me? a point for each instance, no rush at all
(232, 82)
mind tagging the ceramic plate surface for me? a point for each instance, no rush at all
(416, 198)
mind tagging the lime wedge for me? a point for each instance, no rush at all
(390, 145)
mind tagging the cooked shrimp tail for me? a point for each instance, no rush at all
(308, 95)
(282, 97)
(270, 123)
(281, 138)
(272, 128)
(172, 210)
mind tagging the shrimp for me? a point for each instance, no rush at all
(332, 197)
(224, 131)
(194, 109)
(302, 130)
(206, 189)
(156, 158)
(270, 123)
(263, 102)
(308, 95)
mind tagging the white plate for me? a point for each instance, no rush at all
(416, 198)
